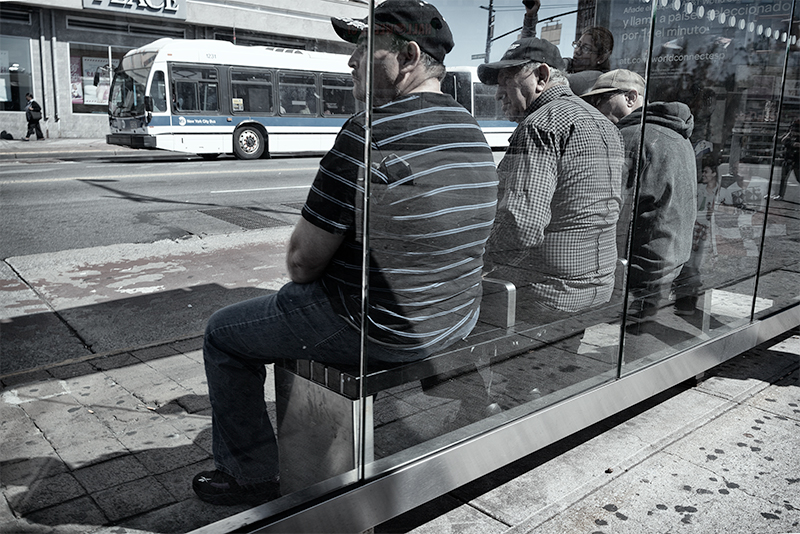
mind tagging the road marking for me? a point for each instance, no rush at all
(9, 182)
(262, 189)
(148, 175)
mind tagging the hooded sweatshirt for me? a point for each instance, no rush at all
(665, 208)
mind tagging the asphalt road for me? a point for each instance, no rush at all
(60, 205)
(112, 254)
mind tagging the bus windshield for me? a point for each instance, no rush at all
(127, 94)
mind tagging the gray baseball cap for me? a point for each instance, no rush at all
(617, 80)
(519, 53)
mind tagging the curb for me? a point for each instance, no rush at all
(78, 154)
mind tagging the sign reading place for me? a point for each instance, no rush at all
(173, 9)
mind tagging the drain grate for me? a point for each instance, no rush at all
(244, 218)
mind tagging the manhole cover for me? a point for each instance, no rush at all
(244, 218)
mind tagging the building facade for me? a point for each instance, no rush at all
(63, 51)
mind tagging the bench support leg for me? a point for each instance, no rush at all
(317, 431)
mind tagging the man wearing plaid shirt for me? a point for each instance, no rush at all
(554, 235)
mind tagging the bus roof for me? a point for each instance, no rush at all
(469, 68)
(214, 52)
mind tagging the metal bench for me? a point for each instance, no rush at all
(318, 405)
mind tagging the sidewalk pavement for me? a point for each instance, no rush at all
(109, 446)
(76, 148)
(17, 149)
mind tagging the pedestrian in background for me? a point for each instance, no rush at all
(33, 114)
(791, 157)
(591, 51)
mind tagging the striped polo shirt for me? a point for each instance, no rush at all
(433, 195)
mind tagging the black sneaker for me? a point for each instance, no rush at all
(221, 488)
(685, 306)
(642, 312)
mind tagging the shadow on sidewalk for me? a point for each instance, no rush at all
(147, 488)
(42, 339)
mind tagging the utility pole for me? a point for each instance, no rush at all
(489, 30)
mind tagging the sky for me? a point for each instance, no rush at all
(468, 23)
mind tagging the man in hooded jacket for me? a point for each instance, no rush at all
(663, 209)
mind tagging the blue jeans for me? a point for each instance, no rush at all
(297, 322)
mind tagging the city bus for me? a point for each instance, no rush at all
(212, 97)
(462, 83)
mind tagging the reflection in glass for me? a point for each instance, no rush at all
(552, 249)
(728, 71)
(777, 284)
(431, 203)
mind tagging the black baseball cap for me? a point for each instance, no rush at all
(413, 20)
(519, 53)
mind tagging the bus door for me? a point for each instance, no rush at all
(459, 86)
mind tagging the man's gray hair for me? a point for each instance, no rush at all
(556, 76)
(432, 66)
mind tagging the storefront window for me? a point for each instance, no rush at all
(15, 72)
(90, 76)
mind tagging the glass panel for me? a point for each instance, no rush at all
(781, 254)
(694, 257)
(298, 93)
(442, 288)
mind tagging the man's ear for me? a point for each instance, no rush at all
(409, 56)
(542, 76)
(603, 57)
(631, 97)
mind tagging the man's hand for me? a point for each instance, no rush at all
(310, 250)
(532, 6)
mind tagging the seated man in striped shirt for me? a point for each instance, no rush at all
(432, 204)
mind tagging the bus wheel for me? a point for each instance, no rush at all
(209, 157)
(248, 143)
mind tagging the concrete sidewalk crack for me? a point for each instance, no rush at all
(50, 307)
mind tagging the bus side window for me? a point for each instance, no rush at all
(448, 85)
(195, 88)
(251, 91)
(456, 84)
(298, 93)
(487, 107)
(158, 92)
(208, 97)
(337, 95)
(185, 97)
